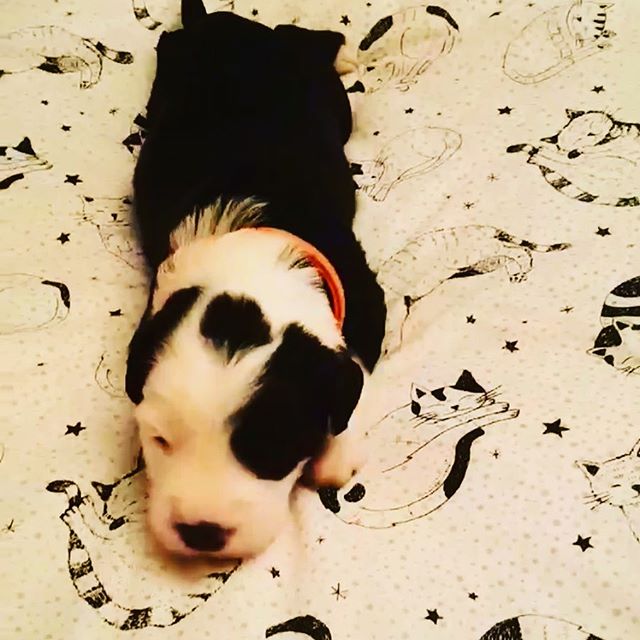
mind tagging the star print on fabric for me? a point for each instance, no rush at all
(598, 89)
(74, 429)
(73, 179)
(603, 231)
(409, 110)
(63, 237)
(583, 543)
(65, 127)
(274, 573)
(116, 313)
(469, 205)
(376, 133)
(338, 592)
(554, 427)
(566, 309)
(254, 12)
(113, 111)
(471, 320)
(9, 528)
(345, 20)
(505, 110)
(495, 454)
(492, 177)
(433, 615)
(511, 345)
(473, 596)
(40, 364)
(44, 102)
(320, 540)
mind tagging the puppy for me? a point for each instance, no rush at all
(263, 316)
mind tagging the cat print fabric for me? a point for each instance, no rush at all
(495, 156)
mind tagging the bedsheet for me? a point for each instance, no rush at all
(497, 158)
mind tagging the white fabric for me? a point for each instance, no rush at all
(501, 543)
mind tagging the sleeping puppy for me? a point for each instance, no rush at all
(263, 316)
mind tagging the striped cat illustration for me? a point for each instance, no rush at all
(56, 50)
(424, 465)
(18, 160)
(593, 158)
(560, 37)
(616, 482)
(618, 342)
(400, 47)
(106, 530)
(434, 257)
(307, 625)
(534, 627)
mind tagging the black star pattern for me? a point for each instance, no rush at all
(44, 102)
(376, 133)
(505, 110)
(320, 540)
(254, 12)
(473, 596)
(63, 237)
(116, 313)
(73, 179)
(338, 592)
(598, 89)
(566, 309)
(113, 111)
(492, 177)
(496, 454)
(433, 615)
(345, 20)
(471, 320)
(40, 364)
(583, 543)
(468, 205)
(274, 573)
(511, 345)
(554, 427)
(603, 231)
(74, 429)
(9, 528)
(65, 127)
(409, 110)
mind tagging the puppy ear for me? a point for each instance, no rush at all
(319, 47)
(192, 12)
(349, 381)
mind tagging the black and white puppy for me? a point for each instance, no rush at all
(243, 373)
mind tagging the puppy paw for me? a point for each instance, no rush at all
(345, 62)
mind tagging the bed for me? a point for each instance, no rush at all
(497, 158)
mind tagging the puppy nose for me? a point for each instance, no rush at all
(203, 536)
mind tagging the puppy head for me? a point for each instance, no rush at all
(232, 400)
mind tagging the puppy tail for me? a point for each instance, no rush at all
(223, 216)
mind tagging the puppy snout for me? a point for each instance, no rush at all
(203, 536)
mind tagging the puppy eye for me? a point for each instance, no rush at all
(163, 443)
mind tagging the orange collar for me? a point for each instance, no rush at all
(320, 263)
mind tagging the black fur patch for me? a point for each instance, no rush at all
(150, 337)
(305, 392)
(234, 324)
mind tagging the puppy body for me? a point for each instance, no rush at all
(239, 370)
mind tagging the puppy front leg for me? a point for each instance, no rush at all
(339, 462)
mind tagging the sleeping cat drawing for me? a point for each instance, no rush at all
(420, 455)
(434, 257)
(17, 160)
(56, 50)
(560, 37)
(618, 343)
(616, 482)
(593, 158)
(400, 47)
(106, 533)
